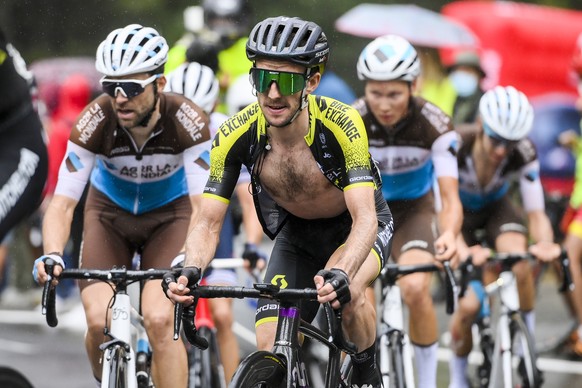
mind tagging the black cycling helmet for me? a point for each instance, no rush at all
(289, 39)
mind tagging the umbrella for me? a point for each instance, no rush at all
(419, 26)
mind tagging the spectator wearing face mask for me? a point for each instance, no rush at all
(466, 74)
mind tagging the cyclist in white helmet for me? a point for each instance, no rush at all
(493, 151)
(199, 83)
(414, 144)
(142, 150)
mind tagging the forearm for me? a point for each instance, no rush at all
(201, 243)
(56, 227)
(358, 245)
(540, 228)
(450, 217)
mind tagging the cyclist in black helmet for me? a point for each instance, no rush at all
(314, 184)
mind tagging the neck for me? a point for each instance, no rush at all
(292, 132)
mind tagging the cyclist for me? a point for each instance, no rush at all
(413, 142)
(142, 151)
(572, 220)
(23, 153)
(199, 84)
(314, 185)
(493, 150)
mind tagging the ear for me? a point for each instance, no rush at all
(161, 82)
(414, 86)
(313, 82)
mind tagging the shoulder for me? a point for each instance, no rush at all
(179, 112)
(526, 151)
(361, 106)
(434, 116)
(93, 119)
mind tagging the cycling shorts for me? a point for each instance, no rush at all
(303, 248)
(112, 235)
(496, 218)
(23, 169)
(415, 224)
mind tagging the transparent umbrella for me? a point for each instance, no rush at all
(418, 25)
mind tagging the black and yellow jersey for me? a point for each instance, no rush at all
(337, 139)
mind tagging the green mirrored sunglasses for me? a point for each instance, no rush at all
(287, 82)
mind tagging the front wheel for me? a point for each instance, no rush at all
(118, 368)
(260, 369)
(523, 348)
(205, 367)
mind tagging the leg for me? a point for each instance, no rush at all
(461, 337)
(95, 298)
(573, 245)
(222, 314)
(169, 362)
(423, 328)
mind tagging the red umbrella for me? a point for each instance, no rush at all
(419, 26)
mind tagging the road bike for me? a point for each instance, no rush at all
(283, 366)
(127, 353)
(394, 347)
(509, 354)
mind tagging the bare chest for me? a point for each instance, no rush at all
(292, 175)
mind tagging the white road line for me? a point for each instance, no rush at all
(552, 365)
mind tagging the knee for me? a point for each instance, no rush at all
(223, 318)
(158, 325)
(415, 290)
(95, 318)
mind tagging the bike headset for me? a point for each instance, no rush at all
(506, 114)
(196, 82)
(288, 39)
(131, 50)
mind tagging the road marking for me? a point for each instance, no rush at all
(545, 364)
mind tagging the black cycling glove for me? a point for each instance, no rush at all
(252, 253)
(192, 273)
(340, 282)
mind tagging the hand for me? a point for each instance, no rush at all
(38, 270)
(333, 286)
(545, 251)
(480, 254)
(446, 248)
(177, 290)
(255, 257)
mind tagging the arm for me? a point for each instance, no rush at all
(361, 205)
(540, 230)
(200, 244)
(450, 218)
(56, 228)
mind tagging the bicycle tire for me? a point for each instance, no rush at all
(260, 369)
(397, 378)
(523, 345)
(486, 345)
(205, 366)
(118, 368)
(12, 378)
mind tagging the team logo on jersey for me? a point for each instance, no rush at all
(73, 162)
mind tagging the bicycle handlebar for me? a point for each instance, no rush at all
(392, 272)
(116, 276)
(508, 260)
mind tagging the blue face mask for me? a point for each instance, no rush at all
(464, 83)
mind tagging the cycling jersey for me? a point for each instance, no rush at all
(409, 156)
(336, 139)
(521, 161)
(23, 154)
(137, 179)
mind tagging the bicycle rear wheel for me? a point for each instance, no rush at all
(523, 347)
(205, 367)
(118, 367)
(260, 369)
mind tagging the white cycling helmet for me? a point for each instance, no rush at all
(388, 58)
(131, 50)
(239, 94)
(507, 112)
(196, 82)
